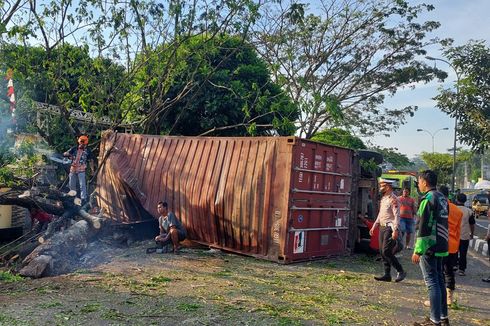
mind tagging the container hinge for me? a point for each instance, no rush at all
(320, 208)
(321, 192)
(337, 228)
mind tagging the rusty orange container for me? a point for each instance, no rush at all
(279, 198)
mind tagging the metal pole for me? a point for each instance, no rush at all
(454, 154)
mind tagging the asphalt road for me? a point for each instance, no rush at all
(481, 227)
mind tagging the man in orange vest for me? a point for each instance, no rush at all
(80, 156)
(449, 262)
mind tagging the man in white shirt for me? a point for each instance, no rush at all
(467, 231)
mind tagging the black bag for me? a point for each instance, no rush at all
(398, 245)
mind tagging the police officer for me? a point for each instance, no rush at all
(389, 221)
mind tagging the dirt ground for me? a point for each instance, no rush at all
(125, 286)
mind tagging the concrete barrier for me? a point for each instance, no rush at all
(480, 246)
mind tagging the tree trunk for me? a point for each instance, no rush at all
(59, 254)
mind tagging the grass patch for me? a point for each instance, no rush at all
(340, 278)
(62, 318)
(285, 321)
(187, 307)
(90, 307)
(160, 279)
(48, 289)
(456, 306)
(52, 304)
(223, 273)
(273, 310)
(343, 316)
(9, 277)
(112, 314)
(7, 320)
(375, 307)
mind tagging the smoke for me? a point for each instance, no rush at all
(6, 126)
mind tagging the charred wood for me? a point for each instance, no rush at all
(58, 254)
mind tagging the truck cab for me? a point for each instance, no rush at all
(403, 179)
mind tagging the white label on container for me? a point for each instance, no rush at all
(301, 160)
(341, 184)
(299, 242)
(338, 221)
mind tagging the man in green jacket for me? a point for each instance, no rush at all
(432, 245)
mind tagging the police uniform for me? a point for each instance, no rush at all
(389, 220)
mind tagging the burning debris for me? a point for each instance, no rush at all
(57, 247)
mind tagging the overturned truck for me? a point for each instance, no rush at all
(279, 198)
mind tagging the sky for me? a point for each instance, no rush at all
(460, 20)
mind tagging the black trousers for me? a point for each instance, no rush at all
(463, 251)
(448, 263)
(387, 247)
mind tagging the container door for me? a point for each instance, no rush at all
(320, 201)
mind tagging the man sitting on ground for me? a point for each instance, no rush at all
(171, 230)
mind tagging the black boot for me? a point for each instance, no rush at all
(384, 278)
(400, 276)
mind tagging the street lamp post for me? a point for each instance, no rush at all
(433, 135)
(455, 119)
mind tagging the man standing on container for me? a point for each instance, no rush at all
(389, 221)
(432, 245)
(80, 156)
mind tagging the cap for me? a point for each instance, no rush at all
(83, 139)
(387, 181)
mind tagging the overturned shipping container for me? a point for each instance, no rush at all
(280, 198)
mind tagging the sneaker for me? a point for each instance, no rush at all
(486, 279)
(400, 276)
(159, 251)
(450, 296)
(445, 321)
(461, 273)
(409, 248)
(384, 278)
(425, 322)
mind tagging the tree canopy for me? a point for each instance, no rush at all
(68, 77)
(339, 137)
(469, 100)
(228, 92)
(341, 60)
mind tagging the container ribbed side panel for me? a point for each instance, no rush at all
(231, 193)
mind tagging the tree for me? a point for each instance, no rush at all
(340, 61)
(125, 30)
(8, 8)
(66, 77)
(469, 101)
(339, 137)
(441, 164)
(233, 93)
(398, 160)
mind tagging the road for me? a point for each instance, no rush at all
(481, 227)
